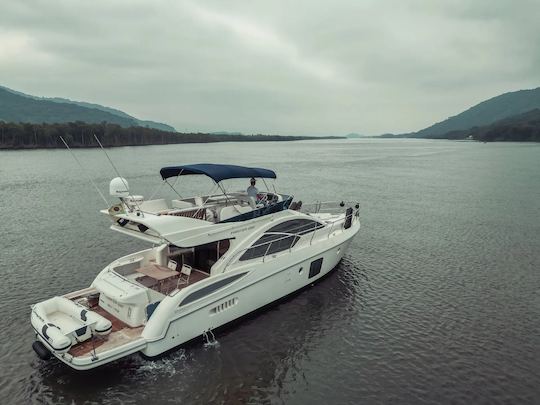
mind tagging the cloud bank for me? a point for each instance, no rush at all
(303, 67)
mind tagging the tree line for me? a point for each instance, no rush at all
(81, 135)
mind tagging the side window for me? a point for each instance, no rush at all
(315, 267)
(210, 289)
(269, 243)
(275, 239)
(299, 226)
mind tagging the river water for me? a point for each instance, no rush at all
(437, 300)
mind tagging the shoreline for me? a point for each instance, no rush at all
(56, 147)
(27, 136)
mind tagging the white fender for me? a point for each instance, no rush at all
(56, 338)
(99, 324)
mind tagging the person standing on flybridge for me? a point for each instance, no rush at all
(252, 192)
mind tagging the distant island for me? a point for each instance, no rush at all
(81, 135)
(354, 135)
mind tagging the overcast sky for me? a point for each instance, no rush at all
(290, 67)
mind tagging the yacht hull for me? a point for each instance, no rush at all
(246, 297)
(271, 281)
(181, 317)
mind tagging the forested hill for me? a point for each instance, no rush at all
(20, 107)
(81, 135)
(485, 113)
(518, 128)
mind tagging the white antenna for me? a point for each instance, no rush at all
(87, 175)
(110, 161)
(116, 170)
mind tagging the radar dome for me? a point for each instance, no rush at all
(119, 187)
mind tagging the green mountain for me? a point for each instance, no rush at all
(518, 128)
(485, 113)
(19, 107)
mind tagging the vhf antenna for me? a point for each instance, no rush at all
(84, 171)
(116, 170)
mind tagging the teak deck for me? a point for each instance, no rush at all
(171, 284)
(121, 333)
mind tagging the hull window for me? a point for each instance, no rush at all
(315, 267)
(348, 218)
(203, 292)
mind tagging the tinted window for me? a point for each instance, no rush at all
(271, 243)
(268, 244)
(315, 267)
(210, 289)
(297, 226)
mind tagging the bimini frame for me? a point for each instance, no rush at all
(218, 173)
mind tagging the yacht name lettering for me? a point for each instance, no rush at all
(243, 229)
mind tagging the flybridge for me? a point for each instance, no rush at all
(181, 219)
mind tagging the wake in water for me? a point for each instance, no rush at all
(167, 366)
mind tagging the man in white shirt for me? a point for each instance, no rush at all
(252, 190)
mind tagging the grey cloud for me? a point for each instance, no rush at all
(303, 67)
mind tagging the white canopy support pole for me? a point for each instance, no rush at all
(207, 198)
(266, 185)
(172, 186)
(224, 193)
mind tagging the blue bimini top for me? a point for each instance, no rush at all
(217, 172)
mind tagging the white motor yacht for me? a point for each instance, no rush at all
(214, 259)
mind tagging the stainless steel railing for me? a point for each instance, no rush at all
(328, 206)
(303, 234)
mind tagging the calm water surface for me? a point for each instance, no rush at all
(437, 301)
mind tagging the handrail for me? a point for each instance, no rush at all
(317, 205)
(297, 236)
